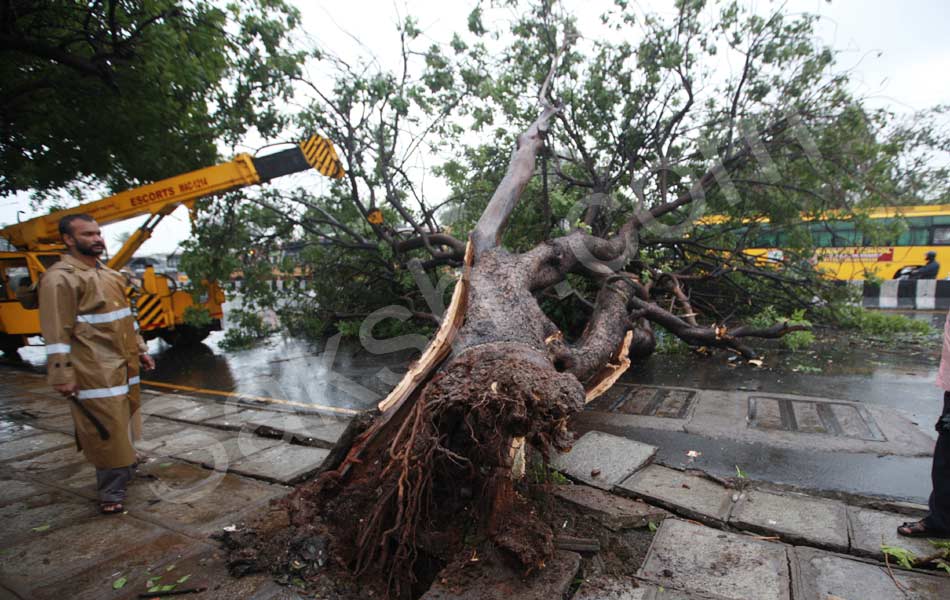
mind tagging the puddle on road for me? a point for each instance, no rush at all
(897, 375)
(327, 374)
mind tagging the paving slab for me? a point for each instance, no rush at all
(190, 438)
(285, 463)
(819, 575)
(238, 419)
(49, 404)
(207, 567)
(58, 554)
(222, 455)
(140, 562)
(871, 528)
(12, 490)
(45, 510)
(614, 512)
(604, 587)
(688, 495)
(603, 460)
(154, 427)
(731, 414)
(591, 419)
(168, 405)
(11, 430)
(315, 430)
(26, 447)
(795, 518)
(192, 499)
(62, 423)
(64, 468)
(489, 579)
(695, 558)
(204, 411)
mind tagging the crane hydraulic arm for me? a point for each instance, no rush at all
(162, 197)
(159, 305)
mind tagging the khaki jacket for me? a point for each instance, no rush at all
(92, 340)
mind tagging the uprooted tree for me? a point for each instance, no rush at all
(586, 209)
(436, 464)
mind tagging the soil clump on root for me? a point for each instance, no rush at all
(308, 557)
(431, 491)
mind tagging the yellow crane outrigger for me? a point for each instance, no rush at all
(160, 306)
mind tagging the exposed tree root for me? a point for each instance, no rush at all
(444, 476)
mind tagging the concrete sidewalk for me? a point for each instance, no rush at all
(209, 466)
(730, 557)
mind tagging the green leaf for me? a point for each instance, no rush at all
(904, 557)
(154, 588)
(152, 581)
(183, 579)
(739, 473)
(169, 568)
(167, 588)
(41, 527)
(652, 526)
(119, 583)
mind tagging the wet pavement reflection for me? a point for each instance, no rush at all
(344, 374)
(326, 373)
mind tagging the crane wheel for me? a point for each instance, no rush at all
(9, 344)
(185, 335)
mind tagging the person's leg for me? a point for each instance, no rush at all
(939, 517)
(111, 485)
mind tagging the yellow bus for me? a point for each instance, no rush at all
(843, 252)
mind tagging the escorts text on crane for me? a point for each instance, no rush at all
(159, 304)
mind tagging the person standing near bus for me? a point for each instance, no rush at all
(93, 355)
(929, 270)
(937, 523)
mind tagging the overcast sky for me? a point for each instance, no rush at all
(899, 53)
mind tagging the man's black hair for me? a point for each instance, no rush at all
(66, 223)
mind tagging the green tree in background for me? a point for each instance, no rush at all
(652, 119)
(124, 92)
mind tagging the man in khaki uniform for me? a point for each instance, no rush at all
(93, 352)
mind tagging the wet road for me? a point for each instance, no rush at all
(337, 374)
(897, 376)
(329, 373)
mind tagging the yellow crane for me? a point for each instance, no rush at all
(160, 305)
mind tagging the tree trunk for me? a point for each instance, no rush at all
(433, 471)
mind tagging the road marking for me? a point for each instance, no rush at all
(187, 388)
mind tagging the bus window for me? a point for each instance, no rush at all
(820, 236)
(847, 238)
(941, 235)
(843, 234)
(821, 239)
(914, 237)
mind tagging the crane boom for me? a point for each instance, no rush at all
(162, 197)
(160, 307)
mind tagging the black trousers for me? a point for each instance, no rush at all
(939, 517)
(111, 483)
